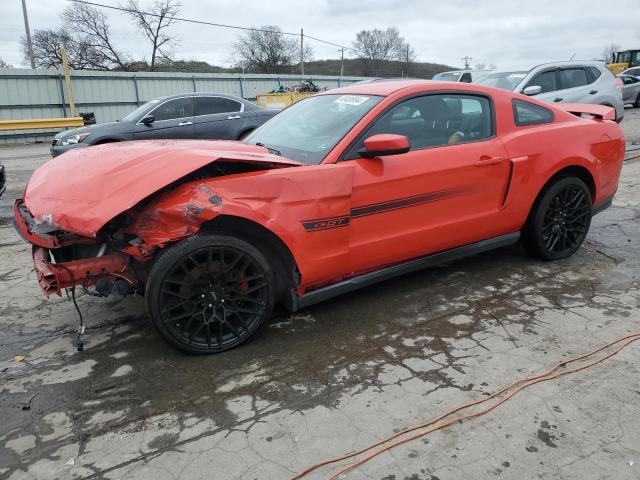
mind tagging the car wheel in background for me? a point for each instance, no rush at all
(637, 102)
(209, 293)
(559, 220)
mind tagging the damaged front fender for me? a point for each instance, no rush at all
(280, 200)
(171, 217)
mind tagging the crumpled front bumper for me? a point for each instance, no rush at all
(53, 277)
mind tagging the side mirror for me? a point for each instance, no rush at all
(148, 119)
(384, 144)
(532, 90)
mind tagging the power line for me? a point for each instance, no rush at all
(211, 24)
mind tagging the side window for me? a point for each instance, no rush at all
(213, 105)
(546, 80)
(595, 73)
(633, 71)
(525, 113)
(629, 80)
(234, 106)
(466, 77)
(434, 120)
(178, 108)
(573, 77)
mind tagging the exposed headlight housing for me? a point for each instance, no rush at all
(73, 139)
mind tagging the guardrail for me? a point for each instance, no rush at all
(34, 123)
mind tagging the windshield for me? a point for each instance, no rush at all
(447, 77)
(310, 128)
(504, 80)
(130, 117)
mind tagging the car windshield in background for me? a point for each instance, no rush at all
(309, 129)
(447, 77)
(504, 80)
(130, 117)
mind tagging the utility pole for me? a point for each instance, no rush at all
(466, 61)
(407, 59)
(302, 52)
(341, 62)
(67, 79)
(28, 32)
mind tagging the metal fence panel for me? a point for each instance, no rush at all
(28, 93)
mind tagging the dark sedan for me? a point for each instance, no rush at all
(197, 115)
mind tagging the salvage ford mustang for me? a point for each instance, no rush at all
(340, 190)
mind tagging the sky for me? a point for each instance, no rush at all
(504, 33)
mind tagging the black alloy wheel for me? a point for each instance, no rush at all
(560, 220)
(210, 293)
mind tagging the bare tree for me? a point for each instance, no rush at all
(153, 23)
(92, 30)
(46, 51)
(608, 51)
(376, 47)
(267, 50)
(4, 64)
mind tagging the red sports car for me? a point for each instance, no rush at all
(338, 191)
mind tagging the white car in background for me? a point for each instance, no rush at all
(570, 82)
(633, 71)
(466, 76)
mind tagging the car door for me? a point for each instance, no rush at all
(630, 88)
(171, 119)
(440, 194)
(218, 117)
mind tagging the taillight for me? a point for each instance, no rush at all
(618, 83)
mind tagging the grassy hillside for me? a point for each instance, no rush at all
(353, 67)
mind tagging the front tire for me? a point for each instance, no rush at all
(636, 104)
(559, 221)
(209, 292)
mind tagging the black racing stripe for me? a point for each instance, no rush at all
(407, 202)
(389, 205)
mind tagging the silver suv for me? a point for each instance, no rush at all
(572, 82)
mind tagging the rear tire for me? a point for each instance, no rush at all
(209, 292)
(559, 221)
(636, 104)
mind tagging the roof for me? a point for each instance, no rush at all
(382, 88)
(558, 63)
(387, 88)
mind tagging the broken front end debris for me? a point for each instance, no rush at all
(64, 260)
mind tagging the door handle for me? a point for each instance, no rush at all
(233, 117)
(488, 161)
(593, 92)
(558, 99)
(184, 124)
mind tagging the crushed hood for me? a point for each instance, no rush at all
(83, 189)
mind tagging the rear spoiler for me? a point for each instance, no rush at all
(601, 112)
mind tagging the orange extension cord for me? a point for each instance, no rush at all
(504, 394)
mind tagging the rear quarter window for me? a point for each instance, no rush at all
(525, 113)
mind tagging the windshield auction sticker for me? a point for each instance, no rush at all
(352, 99)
